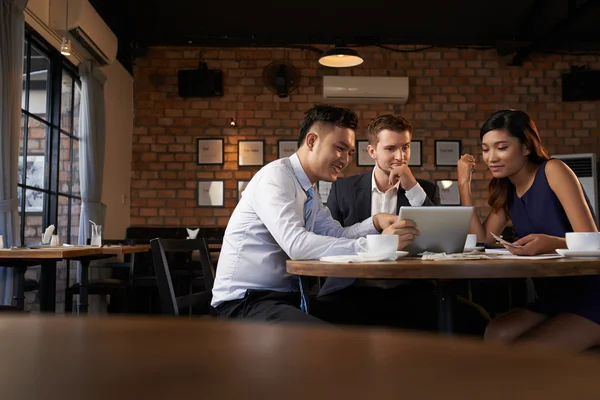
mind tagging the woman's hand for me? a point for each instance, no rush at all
(535, 244)
(466, 165)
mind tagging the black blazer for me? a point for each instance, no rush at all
(350, 198)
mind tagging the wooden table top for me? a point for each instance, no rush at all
(57, 253)
(415, 268)
(176, 358)
(65, 252)
(118, 250)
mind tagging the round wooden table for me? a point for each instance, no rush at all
(443, 271)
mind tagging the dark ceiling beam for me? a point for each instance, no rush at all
(525, 31)
(575, 12)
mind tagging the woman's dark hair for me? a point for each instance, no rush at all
(520, 125)
(327, 115)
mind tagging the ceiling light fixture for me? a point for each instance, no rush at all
(65, 45)
(340, 57)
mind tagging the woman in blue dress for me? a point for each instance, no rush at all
(544, 199)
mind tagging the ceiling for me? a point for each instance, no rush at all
(509, 25)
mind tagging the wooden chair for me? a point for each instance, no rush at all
(180, 251)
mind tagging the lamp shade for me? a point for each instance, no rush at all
(340, 57)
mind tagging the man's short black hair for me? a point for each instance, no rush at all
(327, 115)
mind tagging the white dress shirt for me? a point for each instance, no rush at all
(267, 227)
(387, 202)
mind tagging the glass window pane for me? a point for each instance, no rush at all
(64, 165)
(33, 228)
(39, 66)
(35, 171)
(75, 213)
(75, 178)
(34, 201)
(76, 107)
(66, 108)
(37, 132)
(62, 223)
(25, 66)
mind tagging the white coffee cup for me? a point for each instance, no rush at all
(382, 244)
(471, 241)
(583, 240)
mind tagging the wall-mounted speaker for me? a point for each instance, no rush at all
(581, 86)
(202, 82)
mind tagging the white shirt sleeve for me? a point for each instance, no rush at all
(282, 213)
(416, 195)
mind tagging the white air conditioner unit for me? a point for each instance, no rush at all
(86, 28)
(585, 168)
(365, 89)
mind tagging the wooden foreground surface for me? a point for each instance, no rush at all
(160, 358)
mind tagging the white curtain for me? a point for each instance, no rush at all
(92, 129)
(12, 32)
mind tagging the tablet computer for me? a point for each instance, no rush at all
(441, 229)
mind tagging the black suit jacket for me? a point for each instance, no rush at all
(350, 198)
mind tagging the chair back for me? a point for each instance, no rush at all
(167, 250)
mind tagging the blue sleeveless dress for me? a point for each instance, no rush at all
(540, 211)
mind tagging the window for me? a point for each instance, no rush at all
(49, 144)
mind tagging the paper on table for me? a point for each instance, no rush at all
(504, 254)
(538, 257)
(475, 255)
(192, 233)
(341, 259)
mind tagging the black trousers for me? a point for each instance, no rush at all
(410, 306)
(268, 306)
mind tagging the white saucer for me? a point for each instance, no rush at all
(382, 256)
(476, 248)
(579, 253)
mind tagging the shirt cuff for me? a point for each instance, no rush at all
(416, 196)
(367, 227)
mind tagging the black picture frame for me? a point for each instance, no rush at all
(363, 159)
(283, 145)
(244, 145)
(219, 190)
(211, 152)
(442, 150)
(416, 148)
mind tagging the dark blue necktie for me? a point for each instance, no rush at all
(307, 213)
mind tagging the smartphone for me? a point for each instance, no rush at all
(498, 238)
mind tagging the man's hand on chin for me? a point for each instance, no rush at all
(403, 174)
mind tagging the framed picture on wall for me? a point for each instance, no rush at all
(241, 186)
(449, 194)
(447, 152)
(363, 159)
(211, 193)
(416, 153)
(251, 152)
(210, 151)
(286, 148)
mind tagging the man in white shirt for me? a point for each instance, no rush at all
(279, 216)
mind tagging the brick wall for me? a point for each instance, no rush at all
(452, 92)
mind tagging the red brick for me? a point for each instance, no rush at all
(452, 94)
